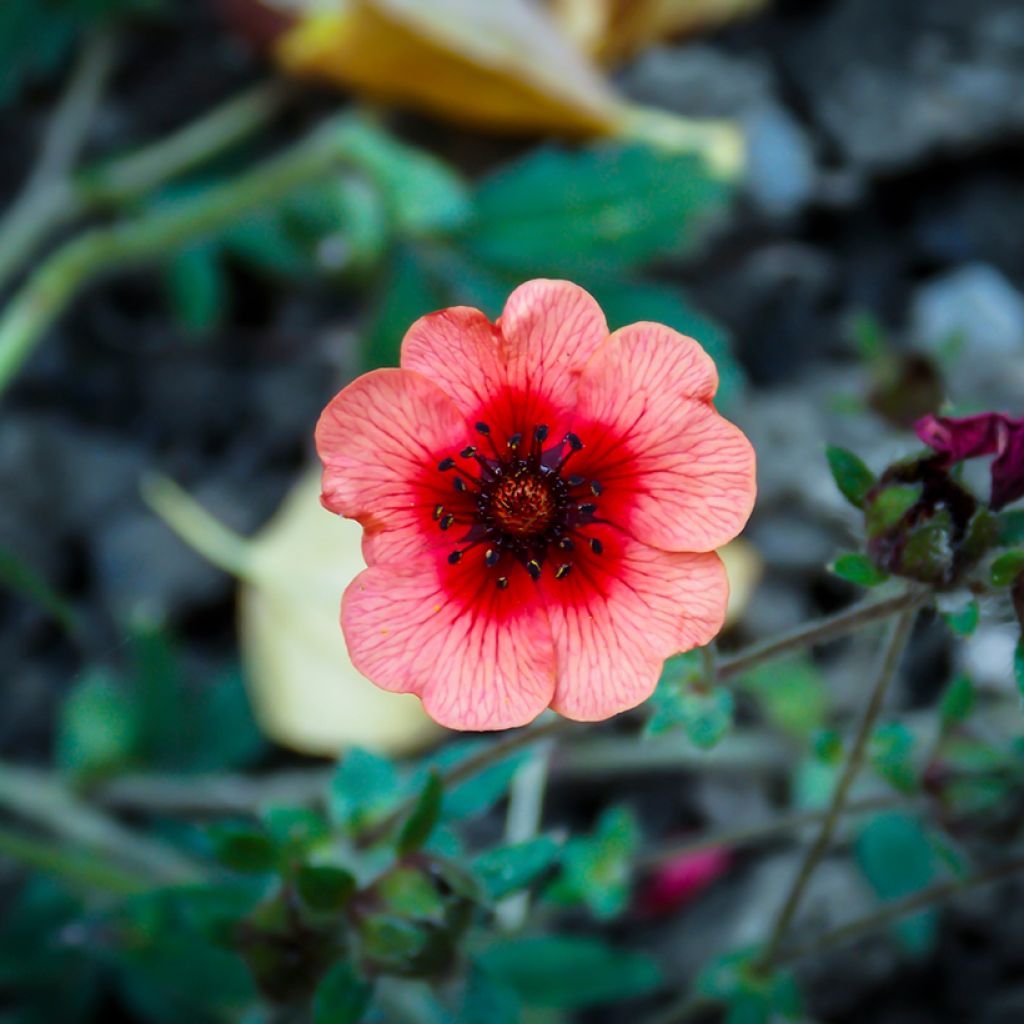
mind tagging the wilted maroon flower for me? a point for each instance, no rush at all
(989, 433)
(679, 880)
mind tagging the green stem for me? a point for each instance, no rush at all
(50, 289)
(79, 868)
(890, 659)
(47, 199)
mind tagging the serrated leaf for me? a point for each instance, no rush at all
(324, 888)
(858, 569)
(852, 476)
(566, 972)
(424, 816)
(590, 214)
(1006, 568)
(506, 869)
(964, 621)
(957, 701)
(342, 997)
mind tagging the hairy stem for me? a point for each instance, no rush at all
(890, 659)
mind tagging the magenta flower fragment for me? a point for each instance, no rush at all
(989, 433)
(541, 503)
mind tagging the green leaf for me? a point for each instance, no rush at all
(196, 287)
(243, 848)
(424, 194)
(869, 337)
(296, 830)
(858, 569)
(324, 888)
(98, 728)
(597, 870)
(964, 621)
(266, 242)
(485, 1001)
(364, 785)
(1011, 527)
(957, 701)
(410, 892)
(167, 737)
(748, 993)
(626, 302)
(424, 816)
(567, 972)
(342, 997)
(225, 734)
(791, 693)
(1018, 665)
(592, 213)
(852, 477)
(1006, 568)
(898, 859)
(680, 701)
(506, 869)
(888, 507)
(891, 752)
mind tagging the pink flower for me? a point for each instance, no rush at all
(989, 433)
(541, 502)
(679, 880)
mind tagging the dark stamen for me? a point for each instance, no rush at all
(445, 464)
(492, 557)
(454, 557)
(502, 582)
(587, 507)
(482, 428)
(468, 452)
(459, 484)
(540, 432)
(595, 488)
(596, 546)
(447, 521)
(438, 511)
(533, 568)
(562, 571)
(566, 544)
(515, 440)
(574, 480)
(574, 442)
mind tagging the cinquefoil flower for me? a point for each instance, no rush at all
(541, 502)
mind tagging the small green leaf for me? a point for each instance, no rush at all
(965, 621)
(295, 830)
(1018, 665)
(828, 746)
(243, 848)
(1010, 525)
(791, 693)
(858, 569)
(852, 477)
(898, 859)
(98, 729)
(363, 786)
(324, 888)
(957, 701)
(342, 997)
(597, 870)
(568, 972)
(420, 823)
(889, 506)
(506, 869)
(891, 752)
(1006, 568)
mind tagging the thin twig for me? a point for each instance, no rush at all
(47, 197)
(890, 659)
(892, 912)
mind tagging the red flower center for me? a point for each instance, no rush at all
(522, 506)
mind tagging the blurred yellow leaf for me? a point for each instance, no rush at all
(503, 66)
(612, 30)
(743, 566)
(305, 692)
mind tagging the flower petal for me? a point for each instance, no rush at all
(1008, 467)
(961, 437)
(380, 440)
(617, 616)
(479, 657)
(459, 350)
(675, 473)
(550, 329)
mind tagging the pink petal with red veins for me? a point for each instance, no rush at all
(459, 350)
(550, 329)
(380, 440)
(478, 657)
(617, 616)
(675, 473)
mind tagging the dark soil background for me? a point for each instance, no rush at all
(887, 144)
